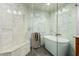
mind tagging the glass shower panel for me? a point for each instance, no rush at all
(53, 48)
(44, 23)
(66, 29)
(39, 20)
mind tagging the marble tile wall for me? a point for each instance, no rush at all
(66, 24)
(13, 28)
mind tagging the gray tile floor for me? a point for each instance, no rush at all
(41, 51)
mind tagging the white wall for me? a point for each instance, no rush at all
(77, 27)
(53, 23)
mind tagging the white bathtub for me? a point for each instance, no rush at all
(18, 50)
(51, 45)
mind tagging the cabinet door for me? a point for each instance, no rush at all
(77, 50)
(77, 46)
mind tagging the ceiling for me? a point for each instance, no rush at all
(45, 7)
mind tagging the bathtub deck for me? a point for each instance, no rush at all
(39, 52)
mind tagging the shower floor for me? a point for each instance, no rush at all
(41, 51)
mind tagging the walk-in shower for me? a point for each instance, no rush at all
(58, 22)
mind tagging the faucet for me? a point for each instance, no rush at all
(58, 34)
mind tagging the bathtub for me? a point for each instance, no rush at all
(18, 50)
(60, 49)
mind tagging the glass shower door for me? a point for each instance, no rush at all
(67, 29)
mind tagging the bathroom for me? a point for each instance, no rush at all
(39, 29)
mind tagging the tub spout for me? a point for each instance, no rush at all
(58, 34)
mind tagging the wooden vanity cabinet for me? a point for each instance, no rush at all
(77, 46)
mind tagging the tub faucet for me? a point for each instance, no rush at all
(58, 34)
